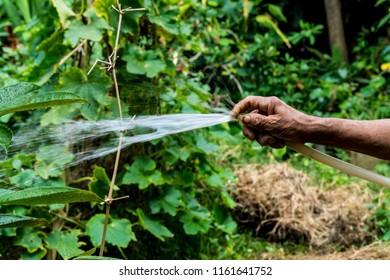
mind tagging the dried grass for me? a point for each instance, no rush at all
(281, 203)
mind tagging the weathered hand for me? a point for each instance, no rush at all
(271, 122)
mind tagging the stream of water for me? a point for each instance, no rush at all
(136, 130)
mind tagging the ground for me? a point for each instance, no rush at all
(281, 203)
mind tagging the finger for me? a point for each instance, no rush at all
(278, 145)
(257, 122)
(249, 133)
(263, 104)
(248, 103)
(265, 140)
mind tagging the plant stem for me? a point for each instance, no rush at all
(118, 153)
(112, 60)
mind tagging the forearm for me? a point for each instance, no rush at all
(369, 137)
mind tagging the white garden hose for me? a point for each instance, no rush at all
(343, 166)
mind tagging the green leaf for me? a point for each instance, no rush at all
(24, 8)
(5, 137)
(98, 83)
(153, 226)
(145, 63)
(92, 31)
(9, 221)
(142, 172)
(169, 203)
(166, 24)
(8, 93)
(225, 42)
(30, 239)
(47, 195)
(192, 225)
(276, 11)
(64, 12)
(224, 219)
(12, 12)
(119, 231)
(215, 180)
(100, 183)
(205, 145)
(144, 163)
(67, 252)
(25, 178)
(25, 96)
(153, 67)
(196, 219)
(66, 243)
(266, 21)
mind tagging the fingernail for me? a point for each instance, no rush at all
(246, 119)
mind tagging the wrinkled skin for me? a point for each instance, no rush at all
(271, 122)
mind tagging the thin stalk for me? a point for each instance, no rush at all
(118, 153)
(76, 49)
(111, 66)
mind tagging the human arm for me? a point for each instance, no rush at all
(273, 122)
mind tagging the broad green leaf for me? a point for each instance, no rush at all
(66, 243)
(64, 12)
(143, 173)
(30, 239)
(214, 180)
(224, 219)
(204, 145)
(119, 231)
(153, 226)
(4, 191)
(144, 163)
(25, 96)
(67, 252)
(25, 178)
(48, 195)
(93, 30)
(9, 221)
(5, 137)
(169, 203)
(166, 24)
(153, 67)
(192, 225)
(197, 219)
(9, 93)
(100, 183)
(146, 63)
(93, 88)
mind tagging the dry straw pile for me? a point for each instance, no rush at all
(280, 202)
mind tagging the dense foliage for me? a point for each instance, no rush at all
(176, 57)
